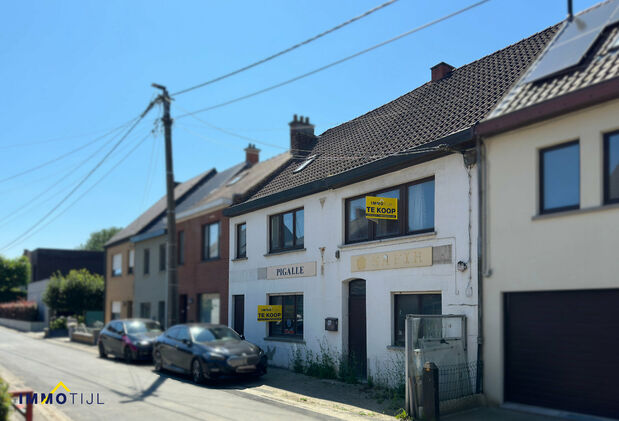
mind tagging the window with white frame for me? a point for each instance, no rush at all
(117, 264)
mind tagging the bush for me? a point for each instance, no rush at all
(14, 277)
(19, 310)
(58, 323)
(5, 401)
(75, 293)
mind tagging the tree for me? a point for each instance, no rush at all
(77, 292)
(97, 239)
(14, 278)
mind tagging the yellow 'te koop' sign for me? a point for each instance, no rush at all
(381, 207)
(270, 313)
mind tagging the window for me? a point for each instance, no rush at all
(301, 167)
(117, 327)
(116, 307)
(404, 304)
(611, 166)
(292, 316)
(146, 261)
(131, 260)
(241, 240)
(181, 247)
(208, 308)
(560, 178)
(210, 241)
(162, 256)
(117, 264)
(287, 231)
(145, 310)
(415, 213)
(161, 313)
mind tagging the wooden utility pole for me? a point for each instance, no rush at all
(172, 275)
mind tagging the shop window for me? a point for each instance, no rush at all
(291, 324)
(404, 304)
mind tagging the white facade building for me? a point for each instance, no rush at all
(325, 292)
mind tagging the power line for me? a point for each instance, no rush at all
(87, 191)
(58, 158)
(287, 50)
(84, 179)
(327, 66)
(50, 190)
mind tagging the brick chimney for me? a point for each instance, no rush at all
(252, 154)
(302, 138)
(441, 70)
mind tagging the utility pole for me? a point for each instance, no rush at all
(172, 275)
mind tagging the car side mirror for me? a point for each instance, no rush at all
(243, 337)
(187, 342)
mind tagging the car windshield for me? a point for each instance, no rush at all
(139, 326)
(210, 334)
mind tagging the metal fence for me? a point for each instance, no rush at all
(459, 380)
(440, 339)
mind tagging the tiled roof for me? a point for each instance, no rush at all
(215, 182)
(428, 113)
(599, 65)
(248, 180)
(155, 211)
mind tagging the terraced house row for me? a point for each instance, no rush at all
(506, 176)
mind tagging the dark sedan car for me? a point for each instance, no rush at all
(207, 351)
(131, 339)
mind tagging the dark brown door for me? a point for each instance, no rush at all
(561, 350)
(182, 308)
(239, 314)
(357, 348)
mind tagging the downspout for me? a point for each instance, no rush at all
(480, 258)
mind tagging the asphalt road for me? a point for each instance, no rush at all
(133, 392)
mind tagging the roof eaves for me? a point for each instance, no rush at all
(364, 172)
(572, 101)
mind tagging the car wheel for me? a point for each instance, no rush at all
(157, 361)
(196, 372)
(102, 352)
(127, 355)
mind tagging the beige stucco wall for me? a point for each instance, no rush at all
(118, 288)
(575, 250)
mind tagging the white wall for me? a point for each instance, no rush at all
(571, 250)
(325, 295)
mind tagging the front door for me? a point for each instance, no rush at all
(182, 308)
(357, 348)
(239, 314)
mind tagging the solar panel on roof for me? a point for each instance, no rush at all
(571, 45)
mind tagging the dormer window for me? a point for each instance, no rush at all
(305, 163)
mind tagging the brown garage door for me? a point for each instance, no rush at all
(562, 350)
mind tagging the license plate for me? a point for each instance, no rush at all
(246, 368)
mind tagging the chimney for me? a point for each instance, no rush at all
(252, 154)
(302, 138)
(441, 70)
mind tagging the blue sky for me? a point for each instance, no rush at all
(73, 70)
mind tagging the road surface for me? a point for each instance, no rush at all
(133, 392)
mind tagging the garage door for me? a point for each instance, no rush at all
(562, 350)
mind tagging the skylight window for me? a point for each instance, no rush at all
(305, 163)
(237, 178)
